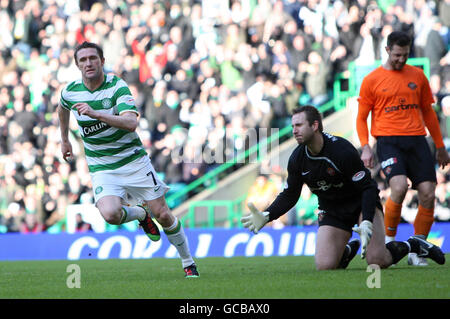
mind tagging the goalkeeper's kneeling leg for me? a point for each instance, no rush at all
(377, 254)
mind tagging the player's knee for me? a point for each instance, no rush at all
(399, 189)
(377, 259)
(163, 215)
(161, 211)
(427, 198)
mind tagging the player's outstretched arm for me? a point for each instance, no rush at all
(256, 220)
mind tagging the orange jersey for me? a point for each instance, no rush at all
(400, 102)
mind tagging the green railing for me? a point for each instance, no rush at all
(230, 218)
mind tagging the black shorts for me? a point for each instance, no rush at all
(343, 215)
(406, 155)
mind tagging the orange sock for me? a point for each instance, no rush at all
(424, 220)
(392, 216)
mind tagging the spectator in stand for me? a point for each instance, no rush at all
(314, 73)
(31, 224)
(81, 225)
(262, 192)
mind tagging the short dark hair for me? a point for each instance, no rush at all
(86, 45)
(400, 38)
(312, 114)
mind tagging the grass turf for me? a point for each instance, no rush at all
(220, 278)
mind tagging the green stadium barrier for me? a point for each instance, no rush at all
(233, 213)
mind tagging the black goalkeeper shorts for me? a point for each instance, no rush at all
(344, 215)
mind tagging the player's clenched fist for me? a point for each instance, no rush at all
(84, 109)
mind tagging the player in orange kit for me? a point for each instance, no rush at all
(400, 99)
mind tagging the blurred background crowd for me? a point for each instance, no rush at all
(200, 71)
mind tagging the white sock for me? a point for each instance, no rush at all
(175, 234)
(132, 213)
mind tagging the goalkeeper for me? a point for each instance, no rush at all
(348, 200)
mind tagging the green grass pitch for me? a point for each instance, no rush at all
(220, 278)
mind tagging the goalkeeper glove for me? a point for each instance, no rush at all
(365, 232)
(256, 220)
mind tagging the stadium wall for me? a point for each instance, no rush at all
(217, 242)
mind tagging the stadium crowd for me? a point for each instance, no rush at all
(200, 71)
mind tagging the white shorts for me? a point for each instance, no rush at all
(134, 183)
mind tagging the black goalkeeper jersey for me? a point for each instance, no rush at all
(336, 175)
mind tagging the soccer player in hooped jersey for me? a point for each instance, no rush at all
(118, 164)
(400, 99)
(333, 170)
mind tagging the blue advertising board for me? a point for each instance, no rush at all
(217, 242)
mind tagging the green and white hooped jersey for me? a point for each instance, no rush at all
(106, 147)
